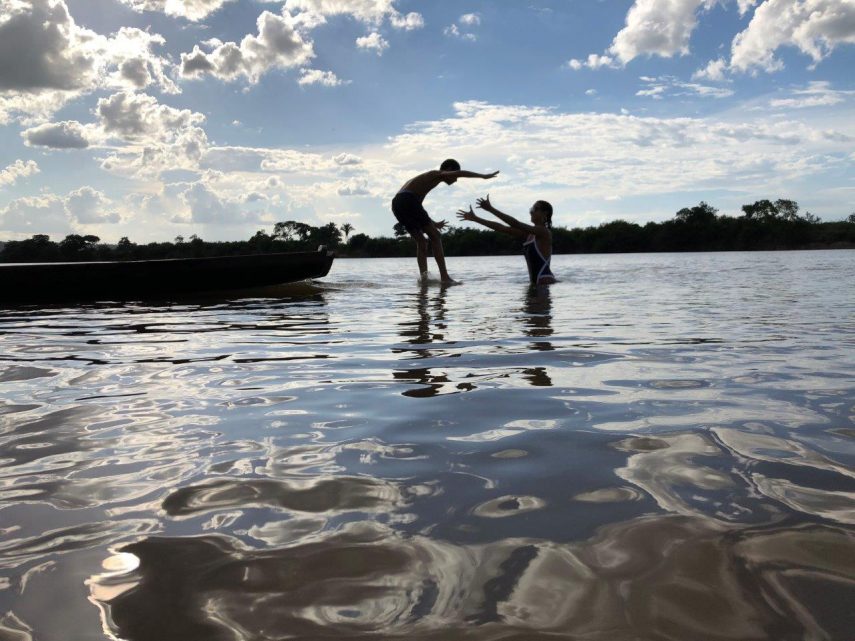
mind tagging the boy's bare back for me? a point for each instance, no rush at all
(423, 183)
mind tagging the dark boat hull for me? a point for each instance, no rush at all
(128, 280)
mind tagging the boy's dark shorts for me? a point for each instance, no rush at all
(408, 209)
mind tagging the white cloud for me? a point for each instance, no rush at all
(47, 60)
(35, 215)
(142, 136)
(345, 159)
(565, 156)
(318, 77)
(714, 71)
(657, 27)
(670, 86)
(42, 48)
(453, 31)
(368, 11)
(68, 134)
(56, 215)
(373, 42)
(816, 94)
(190, 9)
(591, 92)
(154, 137)
(89, 206)
(664, 27)
(129, 54)
(278, 45)
(18, 169)
(815, 27)
(133, 116)
(594, 61)
(355, 187)
(409, 22)
(653, 28)
(208, 207)
(283, 43)
(468, 20)
(745, 5)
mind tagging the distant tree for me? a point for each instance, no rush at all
(851, 218)
(292, 230)
(75, 246)
(261, 241)
(358, 241)
(810, 218)
(124, 243)
(325, 235)
(761, 210)
(701, 213)
(781, 209)
(400, 230)
(346, 228)
(787, 209)
(179, 240)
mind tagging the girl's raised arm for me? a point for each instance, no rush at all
(469, 215)
(486, 205)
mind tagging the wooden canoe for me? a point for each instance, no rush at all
(128, 280)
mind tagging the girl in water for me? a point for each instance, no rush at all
(537, 237)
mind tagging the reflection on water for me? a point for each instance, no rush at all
(671, 576)
(657, 447)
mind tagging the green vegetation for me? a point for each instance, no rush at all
(764, 225)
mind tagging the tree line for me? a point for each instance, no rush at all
(763, 225)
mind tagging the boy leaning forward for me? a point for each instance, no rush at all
(408, 209)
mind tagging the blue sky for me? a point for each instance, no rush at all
(157, 118)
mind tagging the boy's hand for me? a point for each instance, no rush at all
(440, 224)
(463, 214)
(488, 176)
(484, 203)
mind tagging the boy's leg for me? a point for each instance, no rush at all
(438, 253)
(421, 250)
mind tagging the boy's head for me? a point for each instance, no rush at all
(450, 165)
(541, 213)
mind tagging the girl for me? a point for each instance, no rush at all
(537, 245)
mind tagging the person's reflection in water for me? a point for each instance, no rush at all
(537, 323)
(425, 330)
(427, 310)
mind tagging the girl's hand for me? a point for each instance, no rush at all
(463, 214)
(488, 176)
(484, 203)
(440, 224)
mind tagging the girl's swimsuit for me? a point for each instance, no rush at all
(538, 266)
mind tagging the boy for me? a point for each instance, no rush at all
(408, 209)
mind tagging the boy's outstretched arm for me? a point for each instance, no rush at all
(463, 173)
(469, 215)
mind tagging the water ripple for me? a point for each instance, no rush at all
(659, 446)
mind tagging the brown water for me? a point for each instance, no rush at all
(657, 447)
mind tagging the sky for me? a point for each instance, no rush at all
(153, 119)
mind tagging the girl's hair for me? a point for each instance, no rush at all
(546, 208)
(449, 165)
